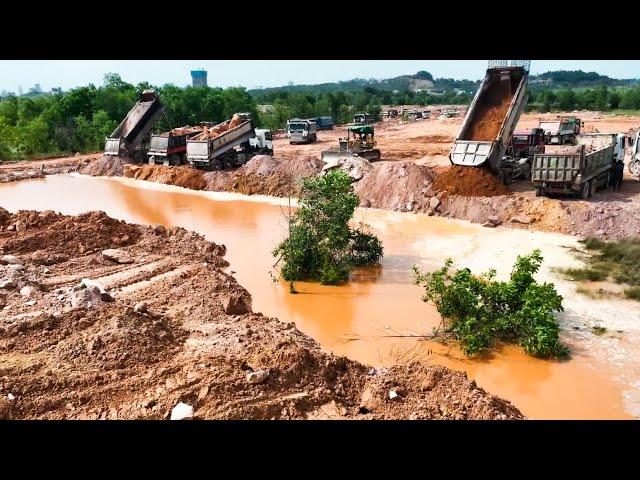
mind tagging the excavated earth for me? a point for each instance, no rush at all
(100, 319)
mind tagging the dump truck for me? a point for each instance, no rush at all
(526, 143)
(363, 118)
(324, 123)
(170, 148)
(301, 130)
(262, 143)
(225, 145)
(132, 137)
(582, 172)
(359, 142)
(488, 126)
(561, 131)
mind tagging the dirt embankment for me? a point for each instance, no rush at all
(15, 171)
(103, 319)
(470, 182)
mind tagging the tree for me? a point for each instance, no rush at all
(479, 311)
(321, 246)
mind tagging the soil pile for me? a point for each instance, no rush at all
(106, 165)
(173, 327)
(265, 175)
(469, 181)
(179, 176)
(402, 186)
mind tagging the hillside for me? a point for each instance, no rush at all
(424, 81)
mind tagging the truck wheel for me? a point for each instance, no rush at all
(592, 190)
(538, 191)
(634, 168)
(585, 190)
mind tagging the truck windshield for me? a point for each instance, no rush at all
(297, 127)
(267, 135)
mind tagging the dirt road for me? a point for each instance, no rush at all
(104, 319)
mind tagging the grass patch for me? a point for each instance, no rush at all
(632, 293)
(584, 274)
(619, 260)
(598, 330)
(598, 294)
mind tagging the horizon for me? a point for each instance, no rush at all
(69, 74)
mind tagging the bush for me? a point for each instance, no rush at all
(479, 310)
(321, 246)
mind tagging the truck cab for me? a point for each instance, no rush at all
(301, 130)
(262, 143)
(526, 143)
(634, 163)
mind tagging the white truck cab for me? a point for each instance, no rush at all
(634, 162)
(262, 142)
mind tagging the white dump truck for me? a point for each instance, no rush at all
(228, 144)
(302, 130)
(582, 172)
(132, 137)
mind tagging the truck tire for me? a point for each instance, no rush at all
(538, 191)
(634, 167)
(585, 190)
(594, 186)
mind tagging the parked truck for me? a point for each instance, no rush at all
(582, 172)
(561, 131)
(170, 148)
(363, 118)
(488, 126)
(225, 145)
(526, 143)
(132, 137)
(324, 123)
(300, 130)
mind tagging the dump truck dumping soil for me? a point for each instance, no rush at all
(469, 181)
(490, 113)
(168, 325)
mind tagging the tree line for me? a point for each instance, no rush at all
(79, 120)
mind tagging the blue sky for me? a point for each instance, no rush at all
(266, 73)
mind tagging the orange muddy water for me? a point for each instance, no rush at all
(376, 317)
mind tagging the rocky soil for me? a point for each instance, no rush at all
(100, 319)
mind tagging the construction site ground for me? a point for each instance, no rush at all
(414, 154)
(71, 351)
(101, 319)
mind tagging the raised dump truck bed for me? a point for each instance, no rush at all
(215, 147)
(131, 132)
(581, 172)
(491, 119)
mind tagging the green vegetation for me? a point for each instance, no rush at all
(321, 246)
(619, 260)
(479, 311)
(81, 119)
(600, 98)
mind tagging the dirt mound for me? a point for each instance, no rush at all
(469, 181)
(396, 186)
(110, 166)
(179, 176)
(93, 231)
(265, 175)
(162, 336)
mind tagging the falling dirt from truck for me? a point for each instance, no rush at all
(469, 182)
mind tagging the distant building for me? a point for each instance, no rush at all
(436, 91)
(35, 89)
(56, 90)
(199, 78)
(541, 81)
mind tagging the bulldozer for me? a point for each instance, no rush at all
(359, 142)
